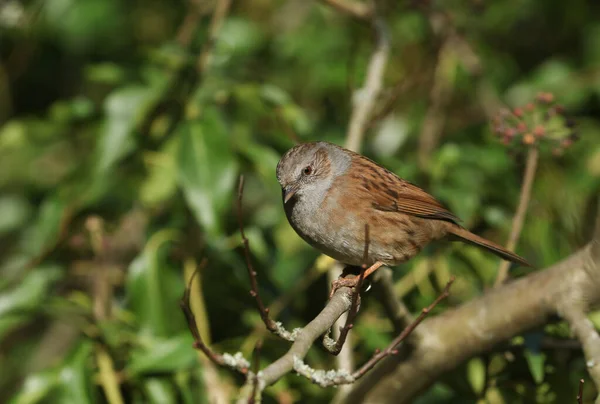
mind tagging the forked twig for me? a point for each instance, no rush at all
(333, 378)
(236, 361)
(580, 394)
(274, 327)
(353, 311)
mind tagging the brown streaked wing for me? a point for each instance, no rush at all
(398, 195)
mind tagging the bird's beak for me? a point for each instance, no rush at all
(288, 192)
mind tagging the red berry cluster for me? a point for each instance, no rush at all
(539, 122)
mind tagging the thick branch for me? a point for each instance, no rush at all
(488, 320)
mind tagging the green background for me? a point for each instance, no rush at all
(119, 164)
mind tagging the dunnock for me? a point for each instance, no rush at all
(330, 194)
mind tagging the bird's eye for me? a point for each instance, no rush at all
(307, 170)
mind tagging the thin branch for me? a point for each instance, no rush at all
(190, 23)
(354, 306)
(394, 307)
(357, 10)
(255, 369)
(184, 303)
(580, 393)
(336, 378)
(392, 348)
(339, 303)
(236, 361)
(365, 98)
(519, 218)
(274, 327)
(281, 302)
(218, 389)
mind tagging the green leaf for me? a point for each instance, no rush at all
(159, 391)
(154, 288)
(162, 355)
(15, 212)
(44, 232)
(207, 171)
(594, 317)
(123, 108)
(476, 374)
(161, 183)
(36, 387)
(75, 377)
(536, 361)
(31, 291)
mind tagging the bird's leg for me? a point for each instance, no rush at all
(351, 282)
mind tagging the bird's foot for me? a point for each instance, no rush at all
(343, 282)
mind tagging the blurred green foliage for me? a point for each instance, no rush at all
(119, 163)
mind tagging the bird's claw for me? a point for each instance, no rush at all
(348, 282)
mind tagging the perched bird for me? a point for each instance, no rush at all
(330, 194)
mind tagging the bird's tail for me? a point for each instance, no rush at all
(466, 236)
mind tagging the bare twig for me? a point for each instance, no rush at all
(519, 218)
(218, 389)
(236, 361)
(392, 348)
(281, 302)
(190, 22)
(184, 303)
(255, 369)
(364, 100)
(336, 378)
(395, 309)
(580, 393)
(274, 327)
(354, 306)
(357, 10)
(339, 303)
